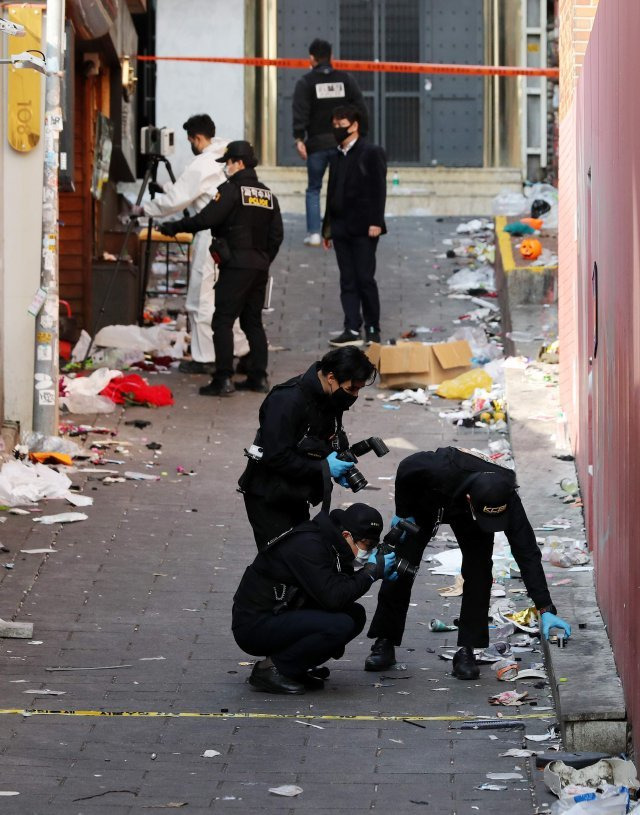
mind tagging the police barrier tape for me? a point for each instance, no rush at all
(319, 717)
(378, 67)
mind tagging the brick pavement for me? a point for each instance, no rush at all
(147, 582)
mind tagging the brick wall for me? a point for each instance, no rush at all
(576, 21)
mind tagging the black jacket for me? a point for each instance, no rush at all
(357, 191)
(294, 410)
(315, 559)
(427, 483)
(246, 215)
(315, 96)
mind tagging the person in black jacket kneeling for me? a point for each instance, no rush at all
(296, 601)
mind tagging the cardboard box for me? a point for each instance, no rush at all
(416, 364)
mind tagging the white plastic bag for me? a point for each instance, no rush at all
(508, 202)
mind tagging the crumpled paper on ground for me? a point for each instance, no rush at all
(139, 338)
(25, 483)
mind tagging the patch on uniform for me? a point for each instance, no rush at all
(483, 456)
(256, 197)
(330, 90)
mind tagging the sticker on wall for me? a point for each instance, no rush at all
(38, 300)
(44, 353)
(24, 85)
(46, 398)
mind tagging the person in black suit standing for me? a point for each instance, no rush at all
(353, 222)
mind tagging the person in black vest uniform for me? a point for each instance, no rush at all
(296, 601)
(245, 221)
(314, 98)
(354, 221)
(300, 427)
(476, 497)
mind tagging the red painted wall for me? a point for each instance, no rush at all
(600, 222)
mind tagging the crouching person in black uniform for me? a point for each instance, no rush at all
(296, 601)
(476, 497)
(245, 221)
(300, 426)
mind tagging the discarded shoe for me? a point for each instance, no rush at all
(382, 656)
(218, 387)
(348, 337)
(190, 366)
(270, 679)
(256, 385)
(464, 664)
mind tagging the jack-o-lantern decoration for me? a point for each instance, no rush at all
(530, 248)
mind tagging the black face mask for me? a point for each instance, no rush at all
(342, 400)
(341, 133)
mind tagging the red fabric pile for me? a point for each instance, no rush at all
(133, 390)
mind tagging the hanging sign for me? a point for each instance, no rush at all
(24, 84)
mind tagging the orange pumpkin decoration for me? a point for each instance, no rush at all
(534, 223)
(530, 248)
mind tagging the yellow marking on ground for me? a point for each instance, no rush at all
(324, 717)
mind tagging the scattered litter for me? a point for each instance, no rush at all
(90, 668)
(505, 777)
(450, 561)
(532, 673)
(133, 476)
(440, 625)
(490, 787)
(516, 752)
(210, 754)
(61, 518)
(9, 628)
(509, 698)
(309, 724)
(8, 793)
(37, 551)
(617, 771)
(46, 692)
(506, 670)
(78, 500)
(400, 444)
(150, 659)
(17, 511)
(537, 737)
(26, 483)
(497, 651)
(463, 386)
(565, 552)
(452, 591)
(288, 790)
(418, 396)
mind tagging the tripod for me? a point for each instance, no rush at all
(150, 175)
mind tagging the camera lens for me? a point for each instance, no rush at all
(356, 480)
(406, 570)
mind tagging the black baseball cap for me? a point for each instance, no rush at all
(364, 522)
(239, 150)
(491, 494)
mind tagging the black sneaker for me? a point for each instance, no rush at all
(218, 387)
(190, 366)
(372, 335)
(464, 664)
(348, 337)
(260, 385)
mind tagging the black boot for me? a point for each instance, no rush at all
(271, 680)
(259, 385)
(218, 387)
(464, 664)
(382, 656)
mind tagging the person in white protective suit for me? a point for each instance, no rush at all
(195, 187)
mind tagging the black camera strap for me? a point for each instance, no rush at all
(327, 486)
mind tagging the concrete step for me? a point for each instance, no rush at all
(421, 190)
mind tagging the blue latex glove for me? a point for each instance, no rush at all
(396, 519)
(337, 467)
(389, 570)
(549, 621)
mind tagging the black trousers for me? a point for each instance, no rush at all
(268, 520)
(299, 640)
(240, 293)
(356, 258)
(477, 547)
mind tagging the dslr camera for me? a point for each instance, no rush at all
(354, 477)
(157, 141)
(406, 570)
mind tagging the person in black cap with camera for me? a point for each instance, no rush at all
(300, 427)
(246, 225)
(476, 497)
(296, 601)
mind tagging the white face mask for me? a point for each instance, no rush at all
(363, 556)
